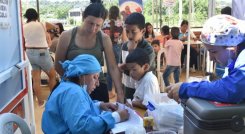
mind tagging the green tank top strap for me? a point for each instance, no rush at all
(72, 40)
(100, 40)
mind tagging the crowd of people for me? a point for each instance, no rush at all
(128, 48)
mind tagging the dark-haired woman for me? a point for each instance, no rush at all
(193, 53)
(70, 110)
(149, 32)
(113, 27)
(37, 52)
(88, 39)
(59, 27)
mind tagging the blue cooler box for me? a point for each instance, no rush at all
(207, 117)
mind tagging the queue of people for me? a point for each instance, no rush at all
(79, 103)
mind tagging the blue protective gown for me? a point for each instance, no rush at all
(71, 110)
(230, 88)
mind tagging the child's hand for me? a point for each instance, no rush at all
(122, 67)
(132, 45)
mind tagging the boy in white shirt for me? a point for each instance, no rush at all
(138, 64)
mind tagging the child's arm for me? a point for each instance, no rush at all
(138, 103)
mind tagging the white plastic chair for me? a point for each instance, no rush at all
(7, 120)
(159, 73)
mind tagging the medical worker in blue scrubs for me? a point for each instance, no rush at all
(224, 38)
(70, 110)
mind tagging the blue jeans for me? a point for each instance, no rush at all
(168, 71)
(117, 53)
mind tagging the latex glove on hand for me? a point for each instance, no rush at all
(124, 115)
(173, 91)
(108, 106)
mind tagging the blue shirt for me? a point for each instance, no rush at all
(71, 110)
(230, 88)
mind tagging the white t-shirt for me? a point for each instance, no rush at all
(35, 35)
(127, 80)
(147, 85)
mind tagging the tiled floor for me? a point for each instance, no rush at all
(45, 94)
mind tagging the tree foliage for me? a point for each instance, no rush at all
(59, 10)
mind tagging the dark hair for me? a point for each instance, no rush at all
(138, 56)
(53, 31)
(96, 10)
(184, 22)
(60, 27)
(96, 1)
(165, 30)
(136, 19)
(226, 10)
(175, 32)
(31, 15)
(113, 15)
(240, 47)
(146, 31)
(114, 12)
(155, 42)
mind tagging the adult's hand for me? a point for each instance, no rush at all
(124, 115)
(108, 106)
(173, 91)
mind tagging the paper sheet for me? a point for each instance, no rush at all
(198, 78)
(134, 120)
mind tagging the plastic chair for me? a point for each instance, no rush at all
(159, 73)
(6, 124)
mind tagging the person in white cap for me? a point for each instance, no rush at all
(224, 38)
(70, 109)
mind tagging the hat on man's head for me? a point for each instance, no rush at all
(81, 65)
(223, 30)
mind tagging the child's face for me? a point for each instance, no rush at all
(134, 33)
(220, 54)
(136, 71)
(184, 28)
(156, 47)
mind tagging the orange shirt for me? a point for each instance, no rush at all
(162, 39)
